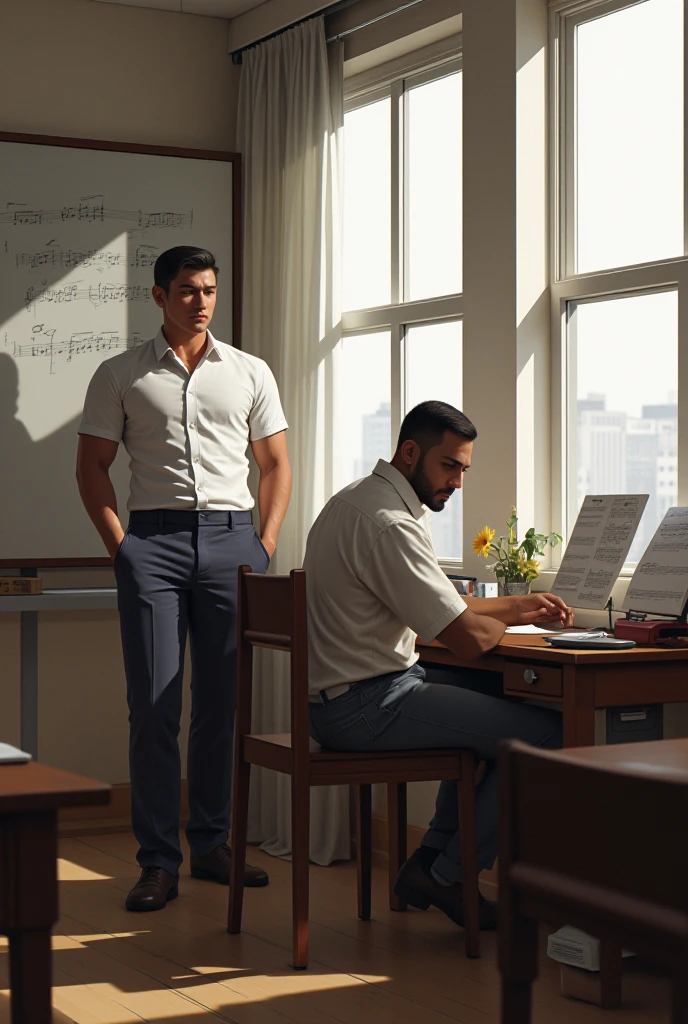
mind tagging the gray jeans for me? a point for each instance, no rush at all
(409, 711)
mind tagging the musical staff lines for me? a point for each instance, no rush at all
(44, 344)
(92, 209)
(101, 259)
(97, 294)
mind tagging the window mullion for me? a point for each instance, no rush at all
(559, 412)
(398, 360)
(685, 131)
(682, 386)
(568, 136)
(570, 368)
(397, 192)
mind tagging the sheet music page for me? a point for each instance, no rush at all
(660, 581)
(597, 548)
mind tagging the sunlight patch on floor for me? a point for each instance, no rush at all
(83, 940)
(158, 1004)
(297, 982)
(213, 970)
(68, 871)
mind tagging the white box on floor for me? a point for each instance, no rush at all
(575, 948)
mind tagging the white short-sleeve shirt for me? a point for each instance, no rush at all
(186, 435)
(374, 583)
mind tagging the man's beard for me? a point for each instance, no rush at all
(425, 491)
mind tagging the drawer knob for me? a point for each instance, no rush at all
(530, 677)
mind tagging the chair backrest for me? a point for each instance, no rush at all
(272, 613)
(621, 828)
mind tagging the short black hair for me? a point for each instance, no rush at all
(427, 423)
(181, 257)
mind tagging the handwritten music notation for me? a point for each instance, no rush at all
(44, 344)
(96, 211)
(97, 294)
(101, 259)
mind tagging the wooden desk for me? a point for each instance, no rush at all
(579, 681)
(30, 797)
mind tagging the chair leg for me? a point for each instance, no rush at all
(516, 1002)
(364, 843)
(679, 1000)
(396, 826)
(518, 948)
(469, 855)
(611, 961)
(242, 781)
(300, 860)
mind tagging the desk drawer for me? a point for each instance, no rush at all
(528, 680)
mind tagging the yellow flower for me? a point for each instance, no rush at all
(481, 544)
(530, 568)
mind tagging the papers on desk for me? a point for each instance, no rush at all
(660, 581)
(598, 547)
(12, 755)
(529, 630)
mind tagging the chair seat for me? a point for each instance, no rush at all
(329, 767)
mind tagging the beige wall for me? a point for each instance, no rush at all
(89, 70)
(126, 74)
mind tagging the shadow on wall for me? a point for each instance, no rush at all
(39, 475)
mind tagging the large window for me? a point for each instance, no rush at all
(623, 142)
(624, 439)
(619, 254)
(402, 274)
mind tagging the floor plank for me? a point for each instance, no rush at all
(180, 966)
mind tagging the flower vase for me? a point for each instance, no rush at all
(512, 588)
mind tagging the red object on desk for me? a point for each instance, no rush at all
(649, 631)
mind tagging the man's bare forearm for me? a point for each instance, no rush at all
(526, 609)
(501, 608)
(471, 635)
(100, 502)
(274, 491)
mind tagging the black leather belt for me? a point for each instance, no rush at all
(182, 517)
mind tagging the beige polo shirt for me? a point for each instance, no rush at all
(186, 435)
(373, 582)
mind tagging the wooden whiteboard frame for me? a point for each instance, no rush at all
(237, 271)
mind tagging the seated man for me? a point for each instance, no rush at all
(374, 584)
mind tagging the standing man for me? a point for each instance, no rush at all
(372, 574)
(185, 406)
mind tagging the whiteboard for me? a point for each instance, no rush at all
(80, 229)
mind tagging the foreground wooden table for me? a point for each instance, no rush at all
(30, 797)
(579, 681)
(594, 837)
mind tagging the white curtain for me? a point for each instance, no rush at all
(289, 133)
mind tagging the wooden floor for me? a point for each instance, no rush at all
(180, 966)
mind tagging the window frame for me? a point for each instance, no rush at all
(398, 314)
(565, 17)
(566, 286)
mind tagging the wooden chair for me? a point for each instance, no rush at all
(272, 613)
(597, 839)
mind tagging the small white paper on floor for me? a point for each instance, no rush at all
(531, 630)
(12, 755)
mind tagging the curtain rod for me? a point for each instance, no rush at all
(331, 9)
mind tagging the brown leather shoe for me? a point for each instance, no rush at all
(153, 889)
(215, 866)
(416, 886)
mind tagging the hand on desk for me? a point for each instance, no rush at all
(540, 609)
(532, 609)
